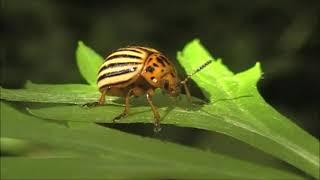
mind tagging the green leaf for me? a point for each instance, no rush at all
(104, 168)
(92, 151)
(49, 93)
(88, 63)
(12, 146)
(235, 109)
(181, 116)
(274, 133)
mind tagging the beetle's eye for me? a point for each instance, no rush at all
(166, 84)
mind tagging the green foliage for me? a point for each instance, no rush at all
(89, 150)
(49, 93)
(88, 62)
(235, 108)
(273, 133)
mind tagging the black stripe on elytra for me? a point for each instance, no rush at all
(112, 65)
(129, 49)
(155, 65)
(117, 73)
(123, 56)
(102, 68)
(114, 84)
(143, 49)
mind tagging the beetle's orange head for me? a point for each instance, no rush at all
(170, 83)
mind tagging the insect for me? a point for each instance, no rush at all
(136, 71)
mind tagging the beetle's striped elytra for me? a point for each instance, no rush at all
(136, 71)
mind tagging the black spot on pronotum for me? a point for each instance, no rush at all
(164, 59)
(150, 69)
(161, 62)
(155, 65)
(152, 78)
(149, 60)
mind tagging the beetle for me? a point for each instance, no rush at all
(136, 71)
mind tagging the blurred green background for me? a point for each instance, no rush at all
(39, 39)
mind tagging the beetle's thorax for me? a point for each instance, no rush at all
(160, 73)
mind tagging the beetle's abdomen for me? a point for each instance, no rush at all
(121, 67)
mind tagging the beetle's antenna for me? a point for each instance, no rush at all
(196, 71)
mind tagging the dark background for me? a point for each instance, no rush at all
(40, 36)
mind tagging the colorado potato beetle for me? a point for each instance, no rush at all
(136, 71)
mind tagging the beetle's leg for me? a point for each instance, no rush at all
(186, 89)
(100, 102)
(156, 114)
(102, 97)
(126, 108)
(189, 95)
